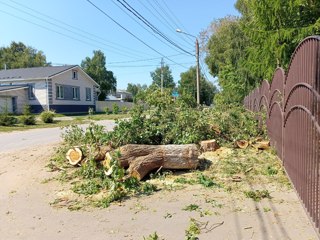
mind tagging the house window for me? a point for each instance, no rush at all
(75, 93)
(60, 92)
(31, 91)
(88, 94)
(74, 74)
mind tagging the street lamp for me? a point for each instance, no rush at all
(197, 59)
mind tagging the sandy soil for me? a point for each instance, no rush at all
(26, 213)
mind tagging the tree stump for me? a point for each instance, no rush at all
(209, 145)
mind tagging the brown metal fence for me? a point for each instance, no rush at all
(292, 103)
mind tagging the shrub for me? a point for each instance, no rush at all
(7, 120)
(106, 110)
(124, 109)
(27, 118)
(47, 116)
(115, 108)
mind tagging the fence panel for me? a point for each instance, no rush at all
(293, 114)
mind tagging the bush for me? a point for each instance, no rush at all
(47, 116)
(7, 120)
(124, 109)
(28, 119)
(106, 110)
(115, 108)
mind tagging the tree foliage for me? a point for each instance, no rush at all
(168, 81)
(18, 55)
(95, 67)
(187, 85)
(275, 28)
(242, 51)
(136, 88)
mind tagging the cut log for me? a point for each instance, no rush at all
(243, 144)
(209, 145)
(101, 151)
(263, 145)
(141, 166)
(141, 159)
(74, 155)
(174, 156)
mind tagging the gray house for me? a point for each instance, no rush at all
(65, 89)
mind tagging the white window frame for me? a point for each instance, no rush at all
(88, 94)
(59, 92)
(31, 91)
(75, 74)
(75, 93)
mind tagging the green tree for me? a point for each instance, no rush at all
(136, 88)
(275, 28)
(18, 55)
(187, 85)
(95, 67)
(226, 55)
(168, 81)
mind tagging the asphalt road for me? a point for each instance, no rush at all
(38, 137)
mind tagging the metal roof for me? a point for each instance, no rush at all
(31, 73)
(9, 88)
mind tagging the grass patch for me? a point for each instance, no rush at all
(257, 195)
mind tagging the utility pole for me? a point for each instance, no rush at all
(198, 71)
(162, 74)
(198, 65)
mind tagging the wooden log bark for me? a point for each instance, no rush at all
(174, 156)
(101, 151)
(209, 145)
(74, 155)
(141, 166)
(141, 159)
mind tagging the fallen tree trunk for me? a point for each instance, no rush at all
(141, 159)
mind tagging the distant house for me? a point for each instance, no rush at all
(120, 95)
(65, 89)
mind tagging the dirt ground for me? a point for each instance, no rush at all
(26, 212)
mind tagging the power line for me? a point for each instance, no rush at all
(177, 22)
(132, 34)
(78, 29)
(167, 23)
(120, 51)
(127, 6)
(144, 60)
(143, 26)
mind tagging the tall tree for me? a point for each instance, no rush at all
(95, 67)
(18, 55)
(187, 85)
(225, 57)
(168, 81)
(275, 28)
(136, 88)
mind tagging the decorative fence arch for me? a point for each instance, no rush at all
(292, 101)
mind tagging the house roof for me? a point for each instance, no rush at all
(32, 73)
(9, 88)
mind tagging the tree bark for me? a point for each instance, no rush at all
(101, 152)
(141, 159)
(209, 145)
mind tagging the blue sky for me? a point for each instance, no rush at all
(68, 31)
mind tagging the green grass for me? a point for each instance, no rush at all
(77, 119)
